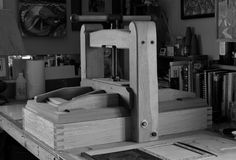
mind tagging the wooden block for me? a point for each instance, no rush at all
(92, 59)
(183, 120)
(181, 103)
(110, 37)
(91, 101)
(78, 115)
(168, 94)
(75, 135)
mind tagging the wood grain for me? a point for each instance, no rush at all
(143, 79)
(74, 135)
(66, 93)
(110, 37)
(183, 121)
(91, 101)
(78, 115)
(125, 92)
(92, 59)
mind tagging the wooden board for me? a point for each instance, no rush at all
(177, 153)
(91, 101)
(183, 120)
(92, 59)
(168, 94)
(79, 115)
(74, 135)
(181, 104)
(110, 37)
(66, 93)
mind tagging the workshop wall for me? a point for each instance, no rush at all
(205, 27)
(41, 45)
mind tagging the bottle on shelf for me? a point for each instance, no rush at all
(178, 46)
(21, 87)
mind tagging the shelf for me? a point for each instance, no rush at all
(188, 58)
(226, 67)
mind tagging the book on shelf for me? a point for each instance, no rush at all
(217, 94)
(217, 85)
(182, 75)
(175, 74)
(199, 85)
(219, 88)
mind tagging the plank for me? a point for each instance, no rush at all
(77, 115)
(180, 104)
(110, 37)
(168, 94)
(66, 93)
(72, 135)
(182, 121)
(56, 101)
(143, 80)
(176, 152)
(92, 59)
(91, 101)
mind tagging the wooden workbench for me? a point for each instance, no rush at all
(11, 122)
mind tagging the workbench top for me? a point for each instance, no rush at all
(11, 122)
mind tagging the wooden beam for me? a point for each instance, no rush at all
(92, 59)
(110, 37)
(143, 80)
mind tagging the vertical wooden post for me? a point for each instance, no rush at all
(92, 59)
(144, 81)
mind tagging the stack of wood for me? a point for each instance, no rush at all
(65, 121)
